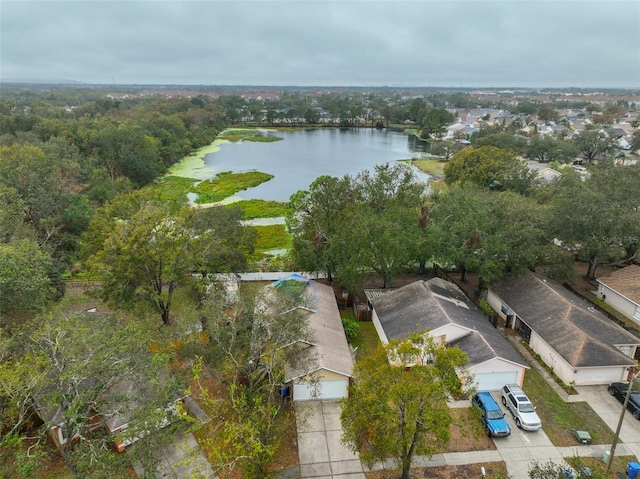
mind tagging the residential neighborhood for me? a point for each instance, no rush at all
(157, 318)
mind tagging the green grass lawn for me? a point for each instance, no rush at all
(560, 418)
(367, 339)
(272, 237)
(431, 167)
(261, 208)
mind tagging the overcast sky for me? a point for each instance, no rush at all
(519, 43)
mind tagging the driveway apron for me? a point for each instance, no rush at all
(322, 454)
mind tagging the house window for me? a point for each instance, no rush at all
(636, 315)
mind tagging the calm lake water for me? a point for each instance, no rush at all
(305, 155)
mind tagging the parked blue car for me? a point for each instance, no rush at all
(492, 416)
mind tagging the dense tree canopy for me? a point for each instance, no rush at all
(488, 167)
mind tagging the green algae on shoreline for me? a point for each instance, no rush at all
(193, 165)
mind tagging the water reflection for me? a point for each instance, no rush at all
(305, 155)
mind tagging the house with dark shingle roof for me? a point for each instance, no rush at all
(441, 309)
(621, 289)
(580, 344)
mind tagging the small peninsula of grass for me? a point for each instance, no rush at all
(263, 138)
(227, 184)
(223, 185)
(261, 208)
(174, 188)
(247, 134)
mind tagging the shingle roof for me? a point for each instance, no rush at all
(329, 350)
(575, 330)
(625, 281)
(427, 305)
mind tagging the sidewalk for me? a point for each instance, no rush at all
(323, 456)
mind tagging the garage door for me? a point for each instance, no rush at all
(321, 390)
(494, 381)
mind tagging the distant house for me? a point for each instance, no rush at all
(442, 309)
(325, 369)
(547, 175)
(621, 289)
(578, 343)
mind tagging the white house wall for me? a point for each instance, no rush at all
(376, 323)
(592, 376)
(617, 301)
(551, 358)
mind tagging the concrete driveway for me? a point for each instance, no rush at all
(608, 408)
(322, 455)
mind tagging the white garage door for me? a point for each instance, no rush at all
(321, 390)
(494, 381)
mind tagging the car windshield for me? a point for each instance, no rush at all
(495, 415)
(526, 407)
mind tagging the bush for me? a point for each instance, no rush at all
(351, 328)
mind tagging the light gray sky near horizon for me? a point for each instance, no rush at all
(508, 43)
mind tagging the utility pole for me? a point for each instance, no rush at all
(624, 408)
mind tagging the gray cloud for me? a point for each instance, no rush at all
(438, 43)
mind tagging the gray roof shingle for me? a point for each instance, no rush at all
(428, 305)
(580, 334)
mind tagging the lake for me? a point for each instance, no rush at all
(305, 155)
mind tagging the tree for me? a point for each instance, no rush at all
(548, 114)
(503, 140)
(399, 411)
(146, 257)
(598, 218)
(593, 143)
(635, 140)
(127, 151)
(546, 149)
(80, 371)
(314, 219)
(493, 234)
(488, 167)
(387, 202)
(445, 148)
(311, 116)
(223, 243)
(434, 122)
(248, 350)
(24, 277)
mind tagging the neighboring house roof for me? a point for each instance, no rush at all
(575, 330)
(328, 348)
(547, 175)
(625, 281)
(429, 305)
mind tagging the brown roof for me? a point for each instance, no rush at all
(625, 281)
(329, 348)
